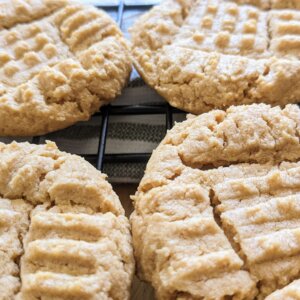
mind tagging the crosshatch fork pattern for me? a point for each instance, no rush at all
(31, 47)
(241, 30)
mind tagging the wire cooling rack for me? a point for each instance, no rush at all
(117, 9)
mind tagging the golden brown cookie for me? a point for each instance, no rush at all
(59, 62)
(217, 214)
(208, 54)
(63, 233)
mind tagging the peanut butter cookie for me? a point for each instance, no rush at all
(59, 62)
(63, 233)
(217, 214)
(208, 54)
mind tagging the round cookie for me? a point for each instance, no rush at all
(59, 63)
(217, 213)
(201, 55)
(63, 233)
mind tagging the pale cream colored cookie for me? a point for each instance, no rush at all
(217, 213)
(208, 54)
(63, 233)
(59, 62)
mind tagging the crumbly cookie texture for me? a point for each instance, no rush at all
(217, 212)
(208, 54)
(269, 4)
(63, 233)
(59, 62)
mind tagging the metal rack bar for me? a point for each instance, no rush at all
(140, 110)
(119, 158)
(169, 117)
(102, 138)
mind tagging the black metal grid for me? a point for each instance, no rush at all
(159, 109)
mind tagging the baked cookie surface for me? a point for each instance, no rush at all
(59, 62)
(217, 214)
(63, 233)
(208, 54)
(290, 292)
